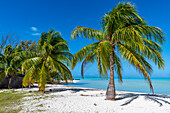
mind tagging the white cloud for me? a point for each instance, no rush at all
(34, 29)
(36, 34)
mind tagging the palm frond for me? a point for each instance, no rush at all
(30, 62)
(30, 73)
(88, 33)
(10, 71)
(42, 77)
(81, 54)
(137, 61)
(118, 67)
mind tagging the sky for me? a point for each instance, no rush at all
(29, 18)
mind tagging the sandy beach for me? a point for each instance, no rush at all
(65, 99)
(93, 45)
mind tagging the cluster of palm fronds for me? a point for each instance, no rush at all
(124, 33)
(41, 63)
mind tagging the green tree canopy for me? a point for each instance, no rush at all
(124, 33)
(50, 60)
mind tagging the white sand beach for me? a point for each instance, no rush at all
(64, 99)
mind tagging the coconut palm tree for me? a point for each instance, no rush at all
(52, 56)
(7, 66)
(6, 59)
(124, 34)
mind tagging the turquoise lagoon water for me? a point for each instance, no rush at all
(161, 85)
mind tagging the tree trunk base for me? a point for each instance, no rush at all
(111, 93)
(111, 96)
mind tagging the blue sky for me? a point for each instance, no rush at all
(29, 18)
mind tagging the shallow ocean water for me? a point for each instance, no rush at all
(160, 85)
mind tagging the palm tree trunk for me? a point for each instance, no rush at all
(29, 84)
(110, 93)
(9, 83)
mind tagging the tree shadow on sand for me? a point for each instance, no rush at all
(159, 99)
(53, 89)
(74, 90)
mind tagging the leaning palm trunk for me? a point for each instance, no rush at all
(29, 84)
(110, 93)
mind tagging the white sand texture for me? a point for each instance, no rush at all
(64, 99)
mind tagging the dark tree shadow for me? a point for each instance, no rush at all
(72, 84)
(74, 90)
(159, 99)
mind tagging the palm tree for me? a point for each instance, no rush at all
(7, 66)
(52, 57)
(6, 61)
(124, 34)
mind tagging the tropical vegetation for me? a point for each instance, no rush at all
(48, 60)
(124, 34)
(10, 63)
